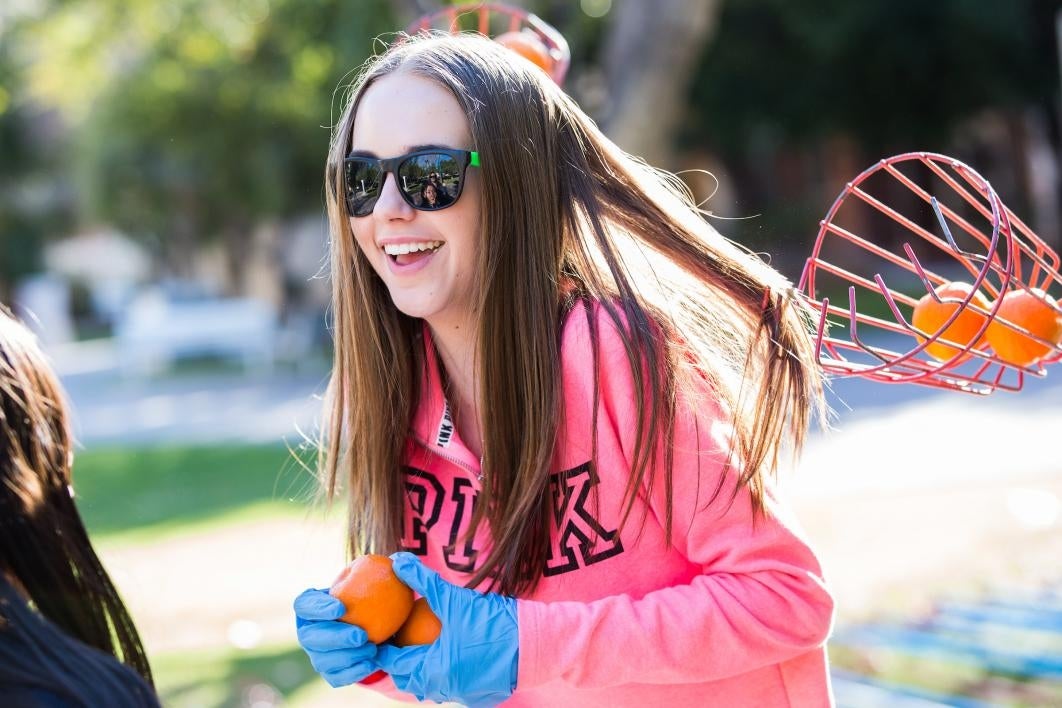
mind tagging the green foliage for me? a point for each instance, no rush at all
(190, 119)
(13, 143)
(796, 97)
(199, 117)
(24, 157)
(890, 73)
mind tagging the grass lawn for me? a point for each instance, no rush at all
(220, 677)
(166, 497)
(267, 676)
(136, 494)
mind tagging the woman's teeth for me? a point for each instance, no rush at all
(398, 249)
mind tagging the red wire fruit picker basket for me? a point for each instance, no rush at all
(515, 27)
(950, 226)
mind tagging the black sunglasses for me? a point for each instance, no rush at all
(428, 179)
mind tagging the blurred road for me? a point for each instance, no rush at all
(190, 407)
(887, 421)
(906, 435)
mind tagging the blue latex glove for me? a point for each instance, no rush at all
(474, 660)
(340, 652)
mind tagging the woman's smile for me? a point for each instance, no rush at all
(408, 258)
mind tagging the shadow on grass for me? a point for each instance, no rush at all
(120, 489)
(231, 678)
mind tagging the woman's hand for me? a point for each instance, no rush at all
(340, 652)
(474, 660)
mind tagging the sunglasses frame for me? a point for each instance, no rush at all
(391, 165)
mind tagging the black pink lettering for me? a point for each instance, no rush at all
(446, 428)
(426, 499)
(460, 554)
(577, 538)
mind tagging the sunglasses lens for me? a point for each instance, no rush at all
(431, 181)
(362, 180)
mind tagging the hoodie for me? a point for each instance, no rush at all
(732, 613)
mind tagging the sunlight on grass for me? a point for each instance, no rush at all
(176, 527)
(230, 677)
(270, 675)
(136, 494)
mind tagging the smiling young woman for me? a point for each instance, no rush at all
(563, 388)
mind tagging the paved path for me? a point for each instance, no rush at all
(272, 406)
(255, 406)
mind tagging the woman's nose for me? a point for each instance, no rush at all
(390, 204)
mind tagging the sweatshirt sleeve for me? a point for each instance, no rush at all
(759, 598)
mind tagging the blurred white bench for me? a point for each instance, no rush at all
(155, 332)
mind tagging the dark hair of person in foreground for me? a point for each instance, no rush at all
(66, 638)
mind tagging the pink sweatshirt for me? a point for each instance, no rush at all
(733, 614)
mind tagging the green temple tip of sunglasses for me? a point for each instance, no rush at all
(474, 159)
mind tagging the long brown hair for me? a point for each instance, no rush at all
(44, 547)
(567, 218)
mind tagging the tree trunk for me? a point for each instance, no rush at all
(408, 10)
(238, 243)
(650, 56)
(1041, 178)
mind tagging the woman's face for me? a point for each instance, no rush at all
(429, 194)
(396, 114)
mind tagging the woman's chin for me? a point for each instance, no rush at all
(435, 311)
(413, 306)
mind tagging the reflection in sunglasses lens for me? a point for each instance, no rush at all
(427, 181)
(430, 181)
(363, 185)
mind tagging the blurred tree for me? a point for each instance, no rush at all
(892, 73)
(647, 54)
(405, 11)
(650, 57)
(798, 97)
(191, 120)
(29, 208)
(202, 119)
(12, 166)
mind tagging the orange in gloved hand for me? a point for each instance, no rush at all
(421, 627)
(376, 600)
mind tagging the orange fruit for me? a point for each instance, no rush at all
(529, 46)
(421, 627)
(1033, 310)
(376, 600)
(929, 316)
